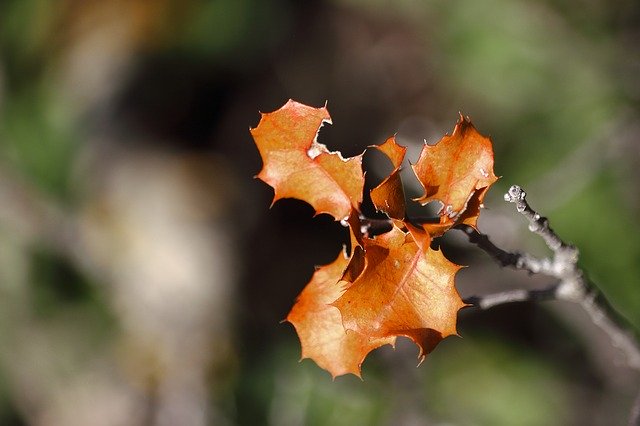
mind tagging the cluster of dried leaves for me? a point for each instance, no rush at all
(390, 285)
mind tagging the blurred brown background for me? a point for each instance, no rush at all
(143, 275)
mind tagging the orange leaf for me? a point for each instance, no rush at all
(388, 196)
(421, 235)
(402, 291)
(355, 230)
(394, 152)
(425, 232)
(454, 168)
(297, 166)
(391, 285)
(319, 325)
(472, 212)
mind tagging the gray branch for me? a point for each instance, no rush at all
(572, 286)
(519, 295)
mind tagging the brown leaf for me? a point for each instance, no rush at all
(319, 325)
(421, 235)
(391, 285)
(402, 291)
(388, 196)
(394, 152)
(297, 166)
(470, 215)
(454, 168)
(355, 230)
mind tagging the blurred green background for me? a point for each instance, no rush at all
(143, 276)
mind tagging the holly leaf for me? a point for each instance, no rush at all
(319, 325)
(394, 284)
(422, 234)
(394, 152)
(296, 165)
(453, 169)
(402, 291)
(388, 196)
(472, 211)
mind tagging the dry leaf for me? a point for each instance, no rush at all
(391, 285)
(297, 166)
(319, 325)
(388, 196)
(402, 291)
(453, 169)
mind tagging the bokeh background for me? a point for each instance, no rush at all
(143, 276)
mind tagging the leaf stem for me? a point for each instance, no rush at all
(371, 226)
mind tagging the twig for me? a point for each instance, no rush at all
(371, 226)
(565, 255)
(523, 261)
(573, 285)
(520, 295)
